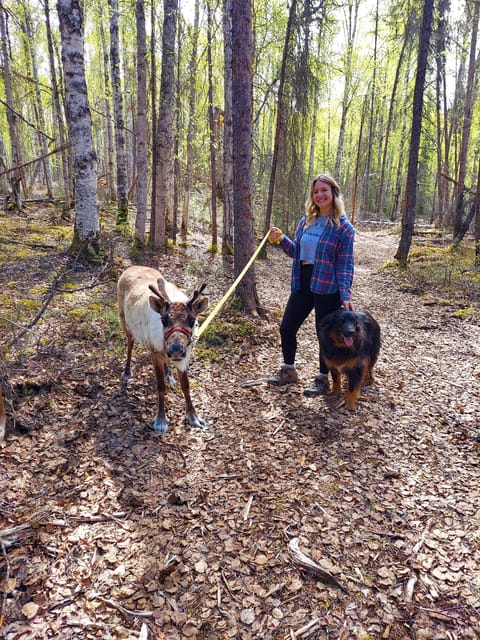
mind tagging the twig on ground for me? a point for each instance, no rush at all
(130, 612)
(305, 562)
(305, 631)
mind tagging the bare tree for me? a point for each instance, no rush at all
(163, 157)
(242, 149)
(67, 191)
(39, 104)
(141, 124)
(86, 229)
(280, 124)
(228, 223)
(408, 218)
(211, 123)
(467, 122)
(15, 176)
(192, 96)
(120, 147)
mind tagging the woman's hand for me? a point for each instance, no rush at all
(276, 235)
(348, 305)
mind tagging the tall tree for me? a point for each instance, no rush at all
(351, 28)
(191, 126)
(242, 149)
(467, 121)
(120, 147)
(141, 130)
(58, 115)
(86, 228)
(212, 136)
(165, 135)
(280, 123)
(39, 104)
(408, 217)
(15, 176)
(228, 222)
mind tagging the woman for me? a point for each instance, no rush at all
(322, 273)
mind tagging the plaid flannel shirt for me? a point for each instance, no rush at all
(333, 268)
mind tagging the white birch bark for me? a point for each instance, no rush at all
(79, 121)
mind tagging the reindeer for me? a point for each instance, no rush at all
(165, 323)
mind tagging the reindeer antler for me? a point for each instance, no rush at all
(197, 292)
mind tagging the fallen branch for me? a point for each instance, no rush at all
(304, 632)
(305, 562)
(130, 612)
(412, 581)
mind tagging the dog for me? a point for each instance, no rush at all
(349, 344)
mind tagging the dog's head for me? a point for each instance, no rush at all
(343, 327)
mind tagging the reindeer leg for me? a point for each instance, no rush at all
(127, 372)
(190, 414)
(169, 377)
(160, 421)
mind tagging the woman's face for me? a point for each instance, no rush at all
(322, 196)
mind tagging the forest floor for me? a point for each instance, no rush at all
(109, 530)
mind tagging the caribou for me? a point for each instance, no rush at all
(158, 315)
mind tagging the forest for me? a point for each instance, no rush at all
(173, 135)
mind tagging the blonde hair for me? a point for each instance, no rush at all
(311, 208)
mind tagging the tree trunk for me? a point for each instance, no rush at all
(228, 223)
(15, 177)
(440, 90)
(280, 117)
(86, 230)
(242, 149)
(372, 123)
(391, 111)
(141, 124)
(67, 191)
(467, 123)
(120, 147)
(40, 111)
(192, 95)
(153, 99)
(347, 88)
(408, 218)
(109, 151)
(165, 136)
(211, 123)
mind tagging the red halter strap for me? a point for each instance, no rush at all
(181, 329)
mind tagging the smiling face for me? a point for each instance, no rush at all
(322, 196)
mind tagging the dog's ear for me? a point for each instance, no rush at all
(328, 322)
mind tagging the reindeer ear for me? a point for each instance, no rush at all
(199, 305)
(158, 304)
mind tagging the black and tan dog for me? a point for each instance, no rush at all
(349, 344)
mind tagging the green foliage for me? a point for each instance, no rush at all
(447, 271)
(224, 338)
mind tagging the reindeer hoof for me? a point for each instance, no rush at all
(195, 421)
(160, 425)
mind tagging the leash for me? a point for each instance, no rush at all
(221, 302)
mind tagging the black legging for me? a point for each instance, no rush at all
(298, 307)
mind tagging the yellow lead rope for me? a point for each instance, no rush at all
(221, 302)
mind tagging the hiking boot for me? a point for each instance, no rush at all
(286, 375)
(320, 387)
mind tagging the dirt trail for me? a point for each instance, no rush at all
(188, 534)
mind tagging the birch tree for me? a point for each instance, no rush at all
(79, 120)
(164, 134)
(120, 149)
